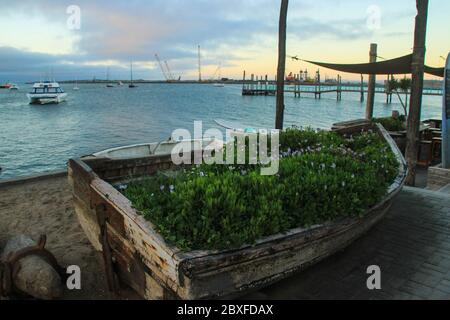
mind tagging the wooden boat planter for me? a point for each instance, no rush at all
(137, 255)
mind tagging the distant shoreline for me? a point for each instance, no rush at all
(428, 83)
(231, 82)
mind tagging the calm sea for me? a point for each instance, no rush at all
(35, 139)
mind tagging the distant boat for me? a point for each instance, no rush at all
(76, 86)
(5, 86)
(14, 87)
(218, 83)
(109, 85)
(120, 83)
(131, 85)
(46, 92)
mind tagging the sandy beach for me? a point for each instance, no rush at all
(45, 207)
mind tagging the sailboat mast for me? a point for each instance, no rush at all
(199, 65)
(131, 68)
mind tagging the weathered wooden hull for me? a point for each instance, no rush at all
(140, 257)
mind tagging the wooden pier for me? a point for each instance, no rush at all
(261, 86)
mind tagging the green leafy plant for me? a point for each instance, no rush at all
(404, 86)
(322, 177)
(392, 124)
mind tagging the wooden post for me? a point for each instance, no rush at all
(300, 79)
(388, 89)
(318, 81)
(372, 84)
(265, 86)
(243, 82)
(389, 96)
(418, 60)
(362, 88)
(279, 120)
(337, 88)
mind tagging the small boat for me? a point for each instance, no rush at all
(5, 86)
(14, 87)
(120, 83)
(131, 85)
(76, 86)
(46, 92)
(135, 252)
(218, 82)
(109, 85)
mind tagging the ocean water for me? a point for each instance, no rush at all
(35, 139)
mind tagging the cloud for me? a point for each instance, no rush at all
(349, 29)
(136, 30)
(229, 31)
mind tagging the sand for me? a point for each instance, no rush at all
(45, 207)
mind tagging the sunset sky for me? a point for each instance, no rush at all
(241, 35)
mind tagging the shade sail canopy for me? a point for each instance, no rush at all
(400, 65)
(438, 72)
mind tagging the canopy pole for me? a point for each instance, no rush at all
(445, 117)
(279, 119)
(418, 68)
(372, 83)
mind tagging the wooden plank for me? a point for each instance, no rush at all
(155, 252)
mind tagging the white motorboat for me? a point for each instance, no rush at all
(46, 92)
(14, 87)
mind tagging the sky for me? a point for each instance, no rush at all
(47, 37)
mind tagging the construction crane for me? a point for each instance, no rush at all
(162, 67)
(166, 70)
(169, 73)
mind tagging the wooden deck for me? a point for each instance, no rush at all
(262, 88)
